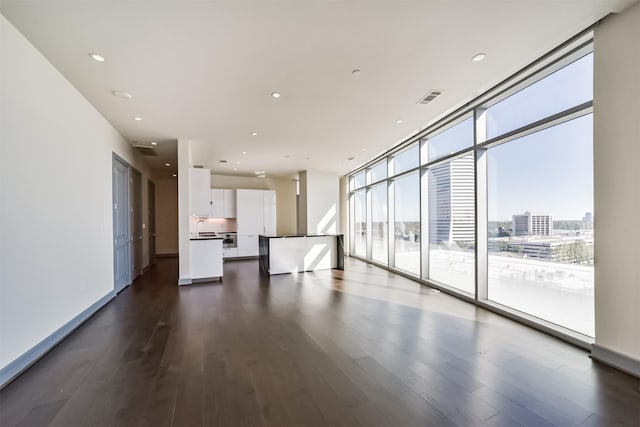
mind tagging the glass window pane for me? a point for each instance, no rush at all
(360, 223)
(540, 205)
(407, 223)
(566, 88)
(449, 141)
(452, 223)
(358, 180)
(378, 172)
(379, 224)
(406, 160)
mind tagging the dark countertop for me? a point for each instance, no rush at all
(207, 238)
(282, 236)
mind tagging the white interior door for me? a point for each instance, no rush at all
(121, 246)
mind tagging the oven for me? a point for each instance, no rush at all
(229, 240)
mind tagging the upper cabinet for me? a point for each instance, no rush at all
(200, 192)
(229, 209)
(223, 203)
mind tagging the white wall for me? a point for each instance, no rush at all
(56, 252)
(320, 192)
(302, 203)
(617, 183)
(184, 217)
(285, 196)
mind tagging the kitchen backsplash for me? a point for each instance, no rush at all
(218, 225)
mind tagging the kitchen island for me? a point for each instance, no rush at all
(205, 258)
(280, 254)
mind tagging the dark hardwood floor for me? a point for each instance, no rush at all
(363, 347)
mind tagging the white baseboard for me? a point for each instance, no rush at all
(31, 356)
(184, 281)
(617, 360)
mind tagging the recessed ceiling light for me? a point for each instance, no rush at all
(276, 94)
(350, 158)
(244, 152)
(174, 175)
(154, 143)
(259, 172)
(222, 161)
(237, 163)
(137, 119)
(167, 164)
(363, 149)
(255, 133)
(399, 121)
(355, 72)
(261, 176)
(97, 57)
(122, 94)
(235, 169)
(478, 57)
(308, 158)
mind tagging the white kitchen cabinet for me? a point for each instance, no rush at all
(200, 192)
(249, 216)
(223, 203)
(229, 197)
(269, 212)
(217, 203)
(256, 214)
(247, 245)
(230, 252)
(205, 258)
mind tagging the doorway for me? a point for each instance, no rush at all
(127, 223)
(121, 224)
(151, 221)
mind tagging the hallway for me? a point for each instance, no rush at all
(359, 347)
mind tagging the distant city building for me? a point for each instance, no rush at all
(587, 221)
(559, 249)
(451, 202)
(529, 224)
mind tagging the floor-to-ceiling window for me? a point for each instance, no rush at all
(496, 201)
(406, 190)
(450, 196)
(359, 214)
(379, 223)
(540, 199)
(360, 222)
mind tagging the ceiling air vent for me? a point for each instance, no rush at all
(144, 149)
(430, 96)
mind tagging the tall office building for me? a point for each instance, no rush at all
(587, 221)
(529, 224)
(451, 202)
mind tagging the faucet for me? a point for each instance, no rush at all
(198, 222)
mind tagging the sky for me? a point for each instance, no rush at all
(548, 172)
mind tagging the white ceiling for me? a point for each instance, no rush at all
(204, 70)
